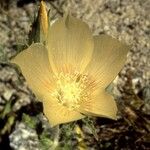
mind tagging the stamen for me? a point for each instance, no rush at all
(71, 89)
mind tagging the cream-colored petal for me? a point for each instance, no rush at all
(57, 113)
(102, 105)
(35, 67)
(70, 44)
(108, 58)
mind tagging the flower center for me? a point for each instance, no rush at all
(71, 89)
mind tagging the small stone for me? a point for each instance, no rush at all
(24, 138)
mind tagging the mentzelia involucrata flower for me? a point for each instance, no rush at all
(71, 72)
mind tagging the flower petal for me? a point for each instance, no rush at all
(35, 67)
(102, 105)
(70, 44)
(108, 58)
(57, 113)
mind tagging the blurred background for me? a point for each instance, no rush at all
(22, 124)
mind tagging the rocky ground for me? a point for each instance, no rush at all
(22, 124)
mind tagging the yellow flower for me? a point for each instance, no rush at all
(71, 72)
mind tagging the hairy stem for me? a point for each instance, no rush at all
(56, 137)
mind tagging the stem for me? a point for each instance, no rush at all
(56, 138)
